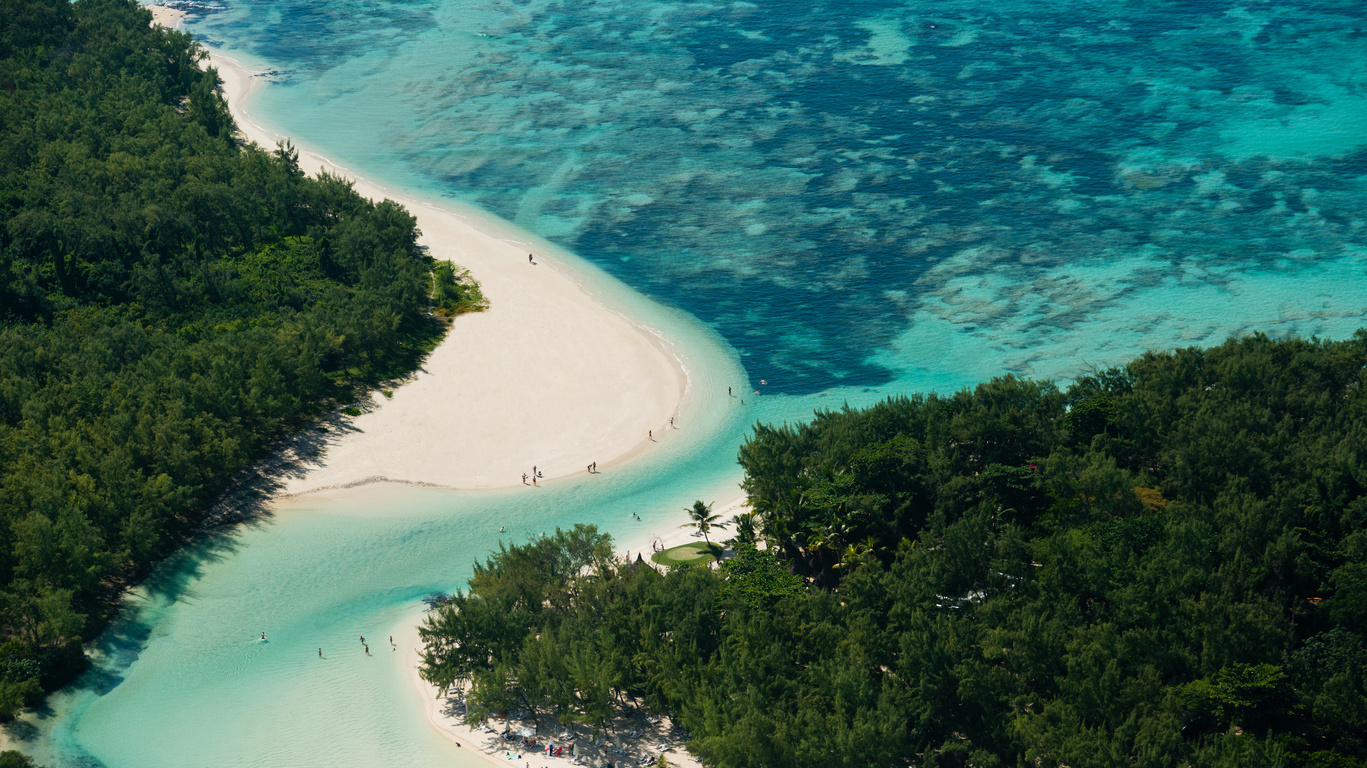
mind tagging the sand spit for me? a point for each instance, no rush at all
(547, 377)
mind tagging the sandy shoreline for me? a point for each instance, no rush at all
(547, 377)
(444, 713)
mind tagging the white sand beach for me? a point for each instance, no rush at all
(171, 18)
(444, 713)
(672, 533)
(547, 377)
(653, 735)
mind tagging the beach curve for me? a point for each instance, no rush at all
(548, 377)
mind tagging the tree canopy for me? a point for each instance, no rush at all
(171, 303)
(1162, 564)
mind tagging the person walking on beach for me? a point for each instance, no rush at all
(650, 434)
(534, 480)
(671, 422)
(524, 478)
(529, 259)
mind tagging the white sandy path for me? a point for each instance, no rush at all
(547, 377)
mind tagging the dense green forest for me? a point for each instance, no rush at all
(171, 303)
(1164, 564)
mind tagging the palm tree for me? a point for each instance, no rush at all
(781, 520)
(702, 519)
(855, 554)
(746, 529)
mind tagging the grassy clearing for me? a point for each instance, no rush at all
(697, 552)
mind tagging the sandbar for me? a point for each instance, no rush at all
(548, 376)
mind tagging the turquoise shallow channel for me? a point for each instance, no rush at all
(849, 200)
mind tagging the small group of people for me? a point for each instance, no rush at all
(650, 433)
(742, 400)
(364, 645)
(592, 467)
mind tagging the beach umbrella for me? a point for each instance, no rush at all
(528, 732)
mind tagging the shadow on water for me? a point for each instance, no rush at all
(247, 502)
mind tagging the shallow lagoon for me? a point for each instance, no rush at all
(858, 199)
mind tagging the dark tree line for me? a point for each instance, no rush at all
(1164, 564)
(171, 303)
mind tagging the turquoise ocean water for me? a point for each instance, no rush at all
(842, 200)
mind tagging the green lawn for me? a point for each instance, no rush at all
(697, 552)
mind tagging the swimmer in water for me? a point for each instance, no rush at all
(263, 635)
